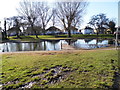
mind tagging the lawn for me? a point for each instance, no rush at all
(59, 69)
(30, 37)
(58, 37)
(101, 36)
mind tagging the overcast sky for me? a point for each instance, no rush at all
(108, 7)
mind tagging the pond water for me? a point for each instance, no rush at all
(54, 45)
(39, 46)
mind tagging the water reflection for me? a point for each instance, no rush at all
(40, 46)
(55, 45)
(89, 43)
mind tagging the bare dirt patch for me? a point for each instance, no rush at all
(48, 76)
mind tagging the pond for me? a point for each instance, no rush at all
(30, 46)
(54, 45)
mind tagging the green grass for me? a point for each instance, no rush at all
(95, 36)
(52, 37)
(91, 36)
(91, 69)
(31, 37)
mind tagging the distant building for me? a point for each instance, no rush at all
(108, 31)
(74, 30)
(102, 30)
(87, 30)
(53, 30)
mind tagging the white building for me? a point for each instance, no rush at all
(53, 30)
(74, 30)
(87, 30)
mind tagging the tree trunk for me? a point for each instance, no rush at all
(44, 31)
(17, 31)
(34, 30)
(43, 27)
(69, 33)
(36, 34)
(17, 35)
(5, 32)
(113, 29)
(69, 30)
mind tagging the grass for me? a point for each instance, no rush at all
(101, 36)
(80, 69)
(31, 37)
(95, 36)
(52, 37)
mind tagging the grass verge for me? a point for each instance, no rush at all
(63, 69)
(52, 37)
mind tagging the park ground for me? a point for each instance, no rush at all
(96, 68)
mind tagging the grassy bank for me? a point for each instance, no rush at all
(63, 69)
(101, 36)
(52, 37)
(30, 37)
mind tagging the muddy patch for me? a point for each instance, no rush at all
(52, 75)
(116, 81)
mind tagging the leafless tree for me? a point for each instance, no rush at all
(5, 30)
(70, 14)
(14, 23)
(9, 22)
(44, 14)
(53, 16)
(28, 9)
(17, 27)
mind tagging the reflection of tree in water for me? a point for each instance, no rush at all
(71, 41)
(31, 46)
(44, 45)
(111, 42)
(97, 41)
(40, 47)
(37, 46)
(26, 46)
(54, 42)
(5, 47)
(18, 46)
(88, 40)
(100, 40)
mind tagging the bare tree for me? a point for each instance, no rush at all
(44, 14)
(70, 14)
(17, 26)
(9, 22)
(14, 23)
(53, 16)
(5, 29)
(28, 9)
